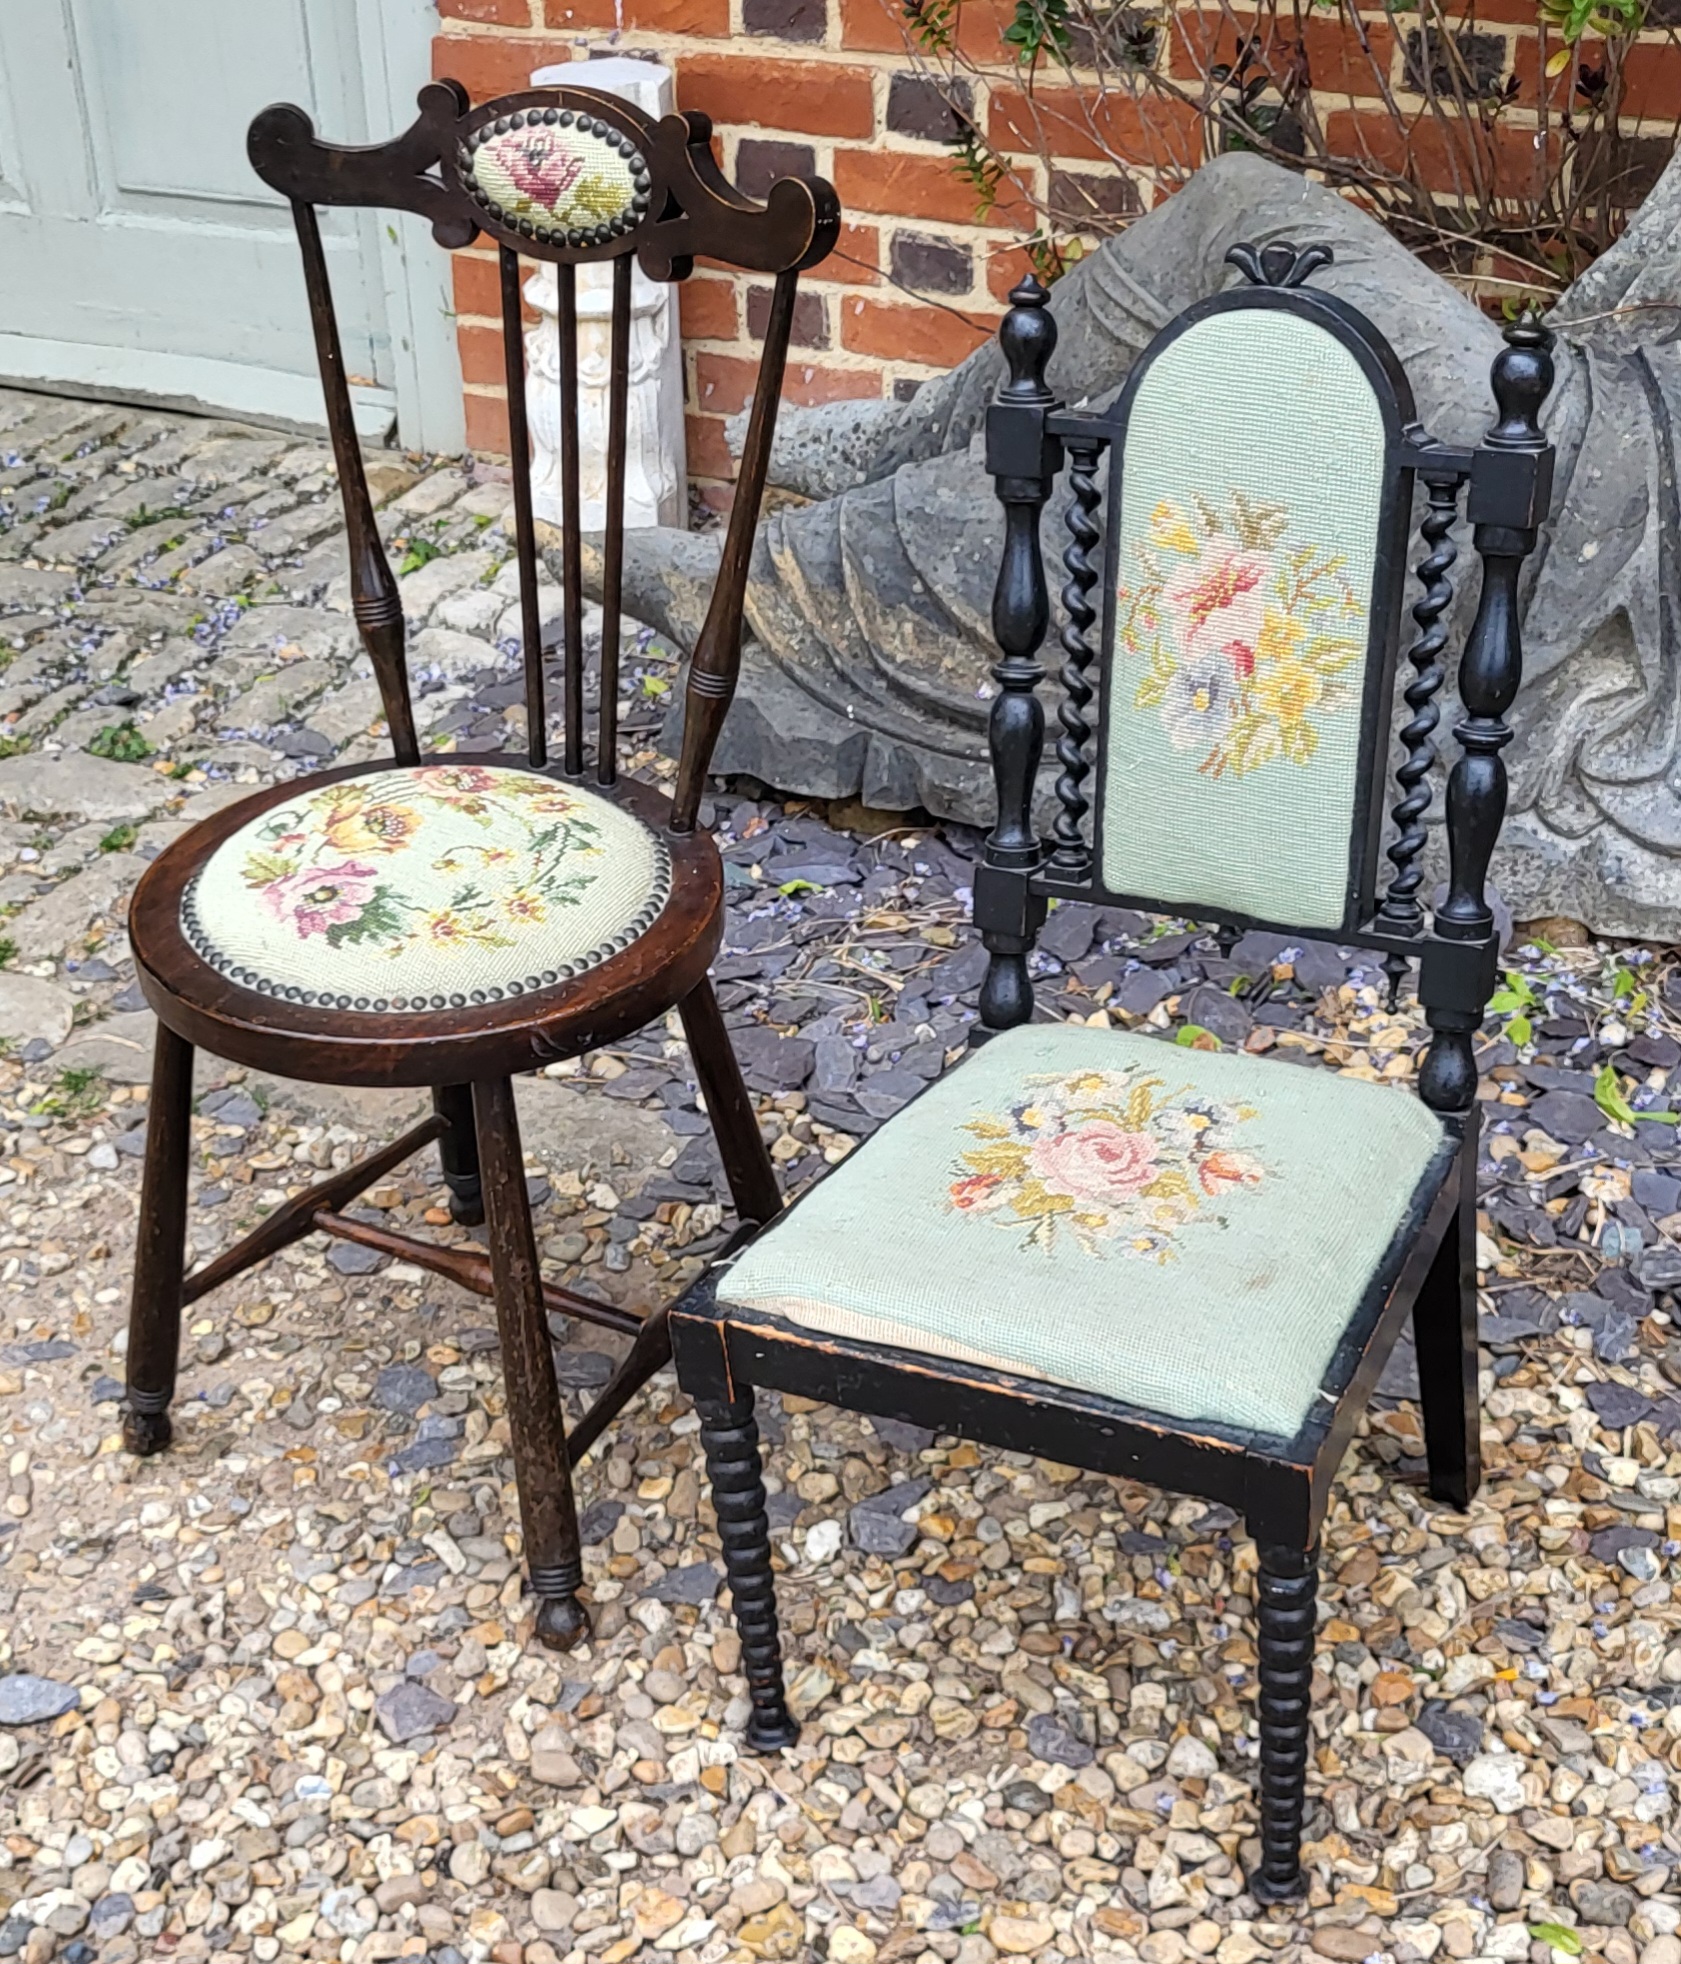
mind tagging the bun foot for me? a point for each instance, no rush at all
(147, 1433)
(771, 1735)
(467, 1210)
(562, 1622)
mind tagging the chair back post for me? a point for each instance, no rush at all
(715, 665)
(1511, 486)
(375, 602)
(1023, 458)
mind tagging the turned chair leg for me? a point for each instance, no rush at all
(747, 1165)
(1288, 1589)
(1445, 1332)
(154, 1318)
(458, 1149)
(553, 1554)
(730, 1439)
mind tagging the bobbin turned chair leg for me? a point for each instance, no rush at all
(458, 1153)
(553, 1554)
(1288, 1588)
(154, 1320)
(729, 1437)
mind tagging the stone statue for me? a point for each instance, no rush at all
(866, 670)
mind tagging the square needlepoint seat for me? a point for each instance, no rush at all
(1117, 1214)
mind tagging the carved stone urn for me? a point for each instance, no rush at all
(656, 475)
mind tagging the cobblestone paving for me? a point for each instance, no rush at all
(274, 1695)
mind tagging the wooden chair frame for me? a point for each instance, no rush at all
(682, 208)
(1281, 1486)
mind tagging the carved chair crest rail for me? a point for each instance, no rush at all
(1169, 1264)
(450, 921)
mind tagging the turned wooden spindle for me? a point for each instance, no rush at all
(1511, 484)
(1023, 458)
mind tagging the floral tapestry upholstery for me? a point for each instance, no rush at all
(1171, 1228)
(1248, 511)
(572, 179)
(429, 887)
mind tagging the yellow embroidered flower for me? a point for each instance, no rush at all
(371, 828)
(1169, 527)
(525, 907)
(1239, 630)
(1280, 636)
(448, 931)
(1288, 689)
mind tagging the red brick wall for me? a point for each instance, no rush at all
(917, 280)
(791, 85)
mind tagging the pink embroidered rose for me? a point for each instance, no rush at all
(1100, 1163)
(1216, 603)
(320, 897)
(542, 166)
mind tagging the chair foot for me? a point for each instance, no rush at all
(1267, 1892)
(147, 1433)
(466, 1210)
(772, 1735)
(562, 1622)
(458, 1154)
(1287, 1593)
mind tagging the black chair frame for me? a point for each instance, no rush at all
(1281, 1486)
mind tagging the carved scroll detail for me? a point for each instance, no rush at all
(1278, 264)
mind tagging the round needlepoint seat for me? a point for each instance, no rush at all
(432, 886)
(406, 922)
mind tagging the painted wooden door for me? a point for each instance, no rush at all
(140, 256)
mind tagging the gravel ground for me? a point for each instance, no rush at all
(274, 1695)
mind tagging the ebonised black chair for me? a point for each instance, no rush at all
(1166, 1263)
(450, 922)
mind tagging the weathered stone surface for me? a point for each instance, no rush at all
(30, 1007)
(75, 785)
(119, 1048)
(878, 686)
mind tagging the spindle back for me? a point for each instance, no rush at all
(575, 177)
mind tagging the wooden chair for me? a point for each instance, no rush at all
(450, 923)
(1123, 1254)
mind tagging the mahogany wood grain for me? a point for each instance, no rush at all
(470, 1267)
(553, 1553)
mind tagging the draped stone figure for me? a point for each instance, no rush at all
(867, 666)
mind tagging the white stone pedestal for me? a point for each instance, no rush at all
(656, 457)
